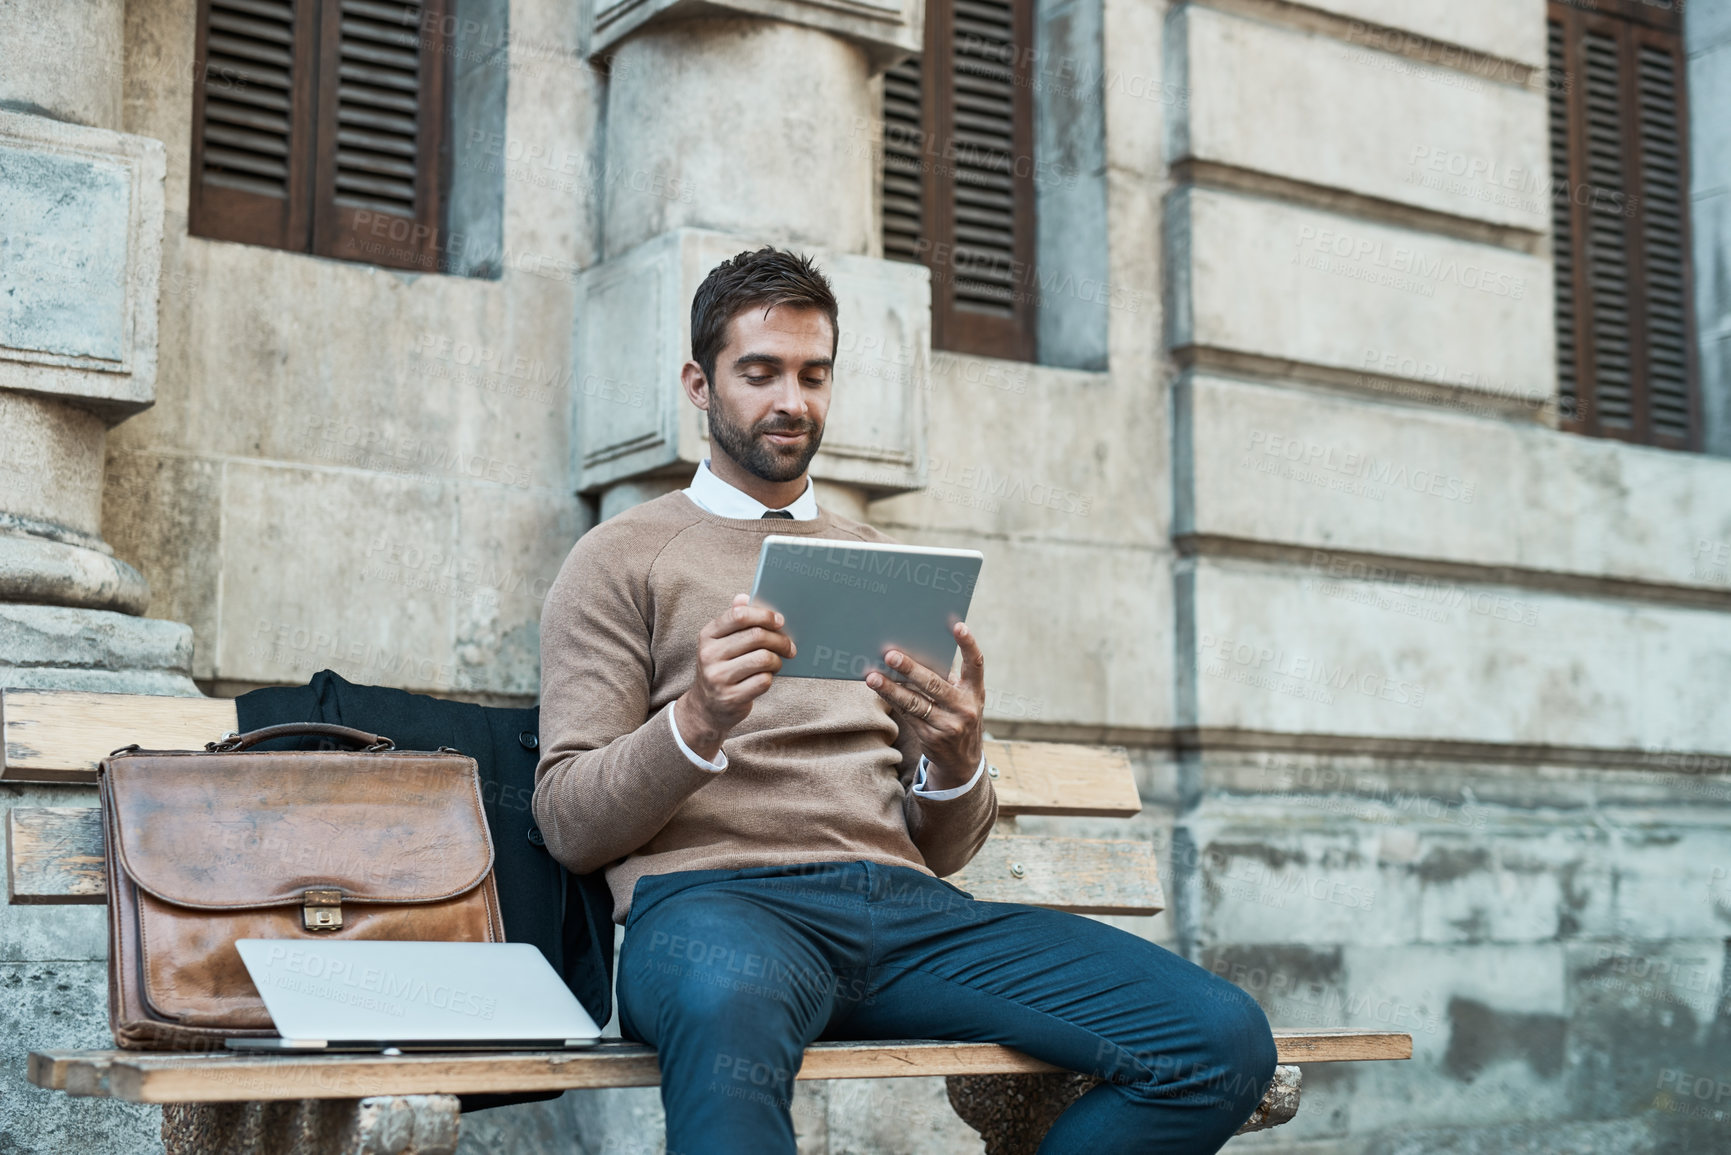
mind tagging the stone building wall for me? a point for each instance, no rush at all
(1423, 694)
(1447, 689)
(352, 467)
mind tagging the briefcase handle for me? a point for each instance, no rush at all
(370, 743)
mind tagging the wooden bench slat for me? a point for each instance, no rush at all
(54, 856)
(1084, 875)
(146, 1077)
(60, 735)
(1060, 778)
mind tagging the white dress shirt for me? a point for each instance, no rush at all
(711, 493)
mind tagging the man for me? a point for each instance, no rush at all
(776, 848)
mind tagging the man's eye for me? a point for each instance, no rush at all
(759, 378)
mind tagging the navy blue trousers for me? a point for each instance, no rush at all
(730, 973)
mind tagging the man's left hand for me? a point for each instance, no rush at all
(944, 712)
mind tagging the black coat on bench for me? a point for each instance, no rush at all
(570, 917)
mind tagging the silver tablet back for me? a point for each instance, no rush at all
(847, 602)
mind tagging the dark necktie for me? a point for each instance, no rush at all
(779, 513)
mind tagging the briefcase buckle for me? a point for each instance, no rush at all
(322, 910)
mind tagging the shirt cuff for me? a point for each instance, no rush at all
(920, 780)
(714, 767)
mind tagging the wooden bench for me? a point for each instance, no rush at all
(377, 1103)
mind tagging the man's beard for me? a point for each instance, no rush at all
(756, 454)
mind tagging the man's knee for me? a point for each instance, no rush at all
(1228, 1063)
(1241, 1048)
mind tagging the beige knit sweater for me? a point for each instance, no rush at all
(819, 770)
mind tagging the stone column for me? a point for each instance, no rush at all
(751, 126)
(80, 254)
(81, 216)
(730, 126)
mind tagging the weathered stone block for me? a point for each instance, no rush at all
(545, 1128)
(678, 122)
(1672, 872)
(511, 545)
(1512, 31)
(1273, 280)
(1645, 1028)
(1002, 460)
(1650, 1134)
(1272, 99)
(628, 1120)
(427, 601)
(1708, 43)
(1238, 881)
(887, 29)
(280, 625)
(1707, 26)
(1488, 1025)
(81, 224)
(633, 419)
(1489, 1028)
(62, 1005)
(1709, 80)
(163, 512)
(380, 1125)
(51, 469)
(67, 63)
(901, 1115)
(1283, 650)
(39, 571)
(1508, 878)
(61, 648)
(1071, 257)
(1094, 663)
(1341, 475)
(1516, 881)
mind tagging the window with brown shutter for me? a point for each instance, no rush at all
(318, 126)
(1619, 166)
(252, 123)
(958, 174)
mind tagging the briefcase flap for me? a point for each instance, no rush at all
(261, 829)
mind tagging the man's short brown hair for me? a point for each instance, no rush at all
(766, 278)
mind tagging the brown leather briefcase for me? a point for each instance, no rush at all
(206, 847)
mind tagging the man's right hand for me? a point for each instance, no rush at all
(738, 655)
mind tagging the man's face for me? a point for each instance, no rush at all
(771, 390)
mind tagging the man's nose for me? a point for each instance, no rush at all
(790, 396)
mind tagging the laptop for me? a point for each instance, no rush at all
(846, 602)
(369, 995)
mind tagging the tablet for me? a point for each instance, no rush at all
(847, 602)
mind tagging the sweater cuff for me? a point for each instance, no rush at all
(952, 792)
(944, 825)
(697, 760)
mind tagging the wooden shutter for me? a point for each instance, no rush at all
(318, 126)
(252, 122)
(971, 217)
(381, 115)
(1619, 127)
(904, 163)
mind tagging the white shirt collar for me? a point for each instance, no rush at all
(711, 493)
